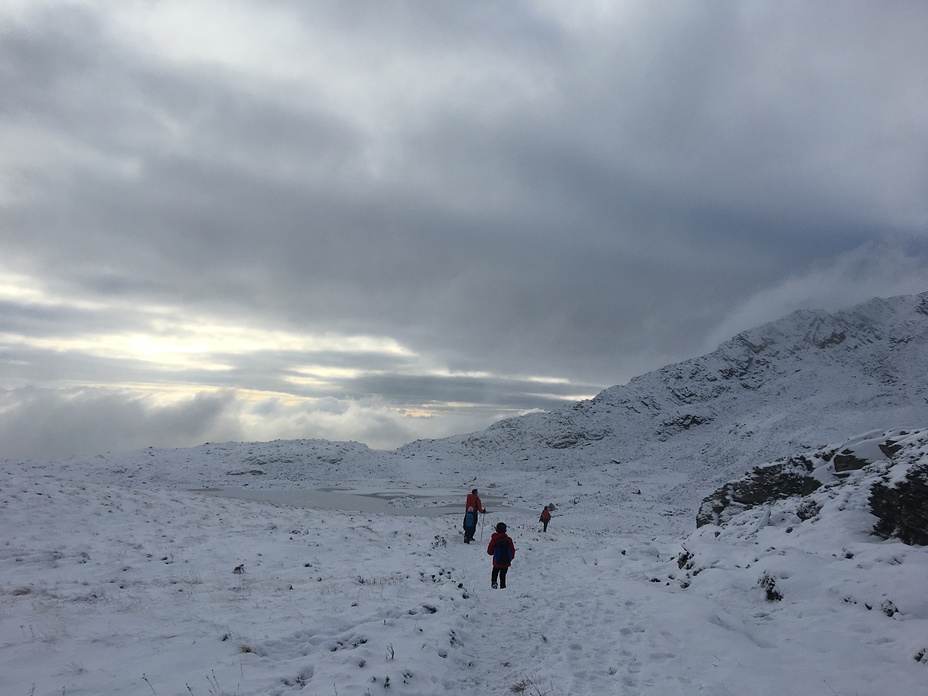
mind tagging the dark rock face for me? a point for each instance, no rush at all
(574, 438)
(847, 461)
(902, 508)
(763, 484)
(898, 481)
(678, 423)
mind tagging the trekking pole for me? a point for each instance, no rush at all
(482, 522)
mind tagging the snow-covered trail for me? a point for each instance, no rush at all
(608, 616)
(544, 632)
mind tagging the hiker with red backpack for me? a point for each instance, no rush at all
(545, 518)
(503, 551)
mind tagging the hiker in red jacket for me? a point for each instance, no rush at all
(473, 501)
(503, 551)
(545, 518)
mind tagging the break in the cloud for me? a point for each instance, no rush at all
(386, 221)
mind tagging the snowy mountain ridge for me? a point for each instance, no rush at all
(801, 382)
(876, 352)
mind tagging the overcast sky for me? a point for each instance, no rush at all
(380, 221)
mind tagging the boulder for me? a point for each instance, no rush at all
(764, 484)
(901, 507)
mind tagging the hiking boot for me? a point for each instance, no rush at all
(493, 585)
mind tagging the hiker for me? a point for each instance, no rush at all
(545, 518)
(470, 525)
(473, 501)
(503, 551)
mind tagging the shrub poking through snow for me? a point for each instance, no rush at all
(769, 585)
(527, 686)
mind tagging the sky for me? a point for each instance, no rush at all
(381, 222)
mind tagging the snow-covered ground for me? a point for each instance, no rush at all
(115, 578)
(134, 574)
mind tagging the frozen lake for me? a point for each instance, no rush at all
(428, 502)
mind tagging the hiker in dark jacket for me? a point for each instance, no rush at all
(503, 551)
(470, 525)
(545, 518)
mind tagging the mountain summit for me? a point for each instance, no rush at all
(801, 382)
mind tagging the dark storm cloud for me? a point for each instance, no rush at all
(520, 190)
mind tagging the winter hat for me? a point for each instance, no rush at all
(501, 528)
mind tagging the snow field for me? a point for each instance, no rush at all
(112, 590)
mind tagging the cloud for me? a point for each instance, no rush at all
(56, 423)
(38, 422)
(578, 193)
(372, 421)
(869, 271)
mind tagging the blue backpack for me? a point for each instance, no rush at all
(470, 520)
(502, 555)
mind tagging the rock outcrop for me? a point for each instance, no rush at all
(764, 484)
(893, 464)
(901, 508)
